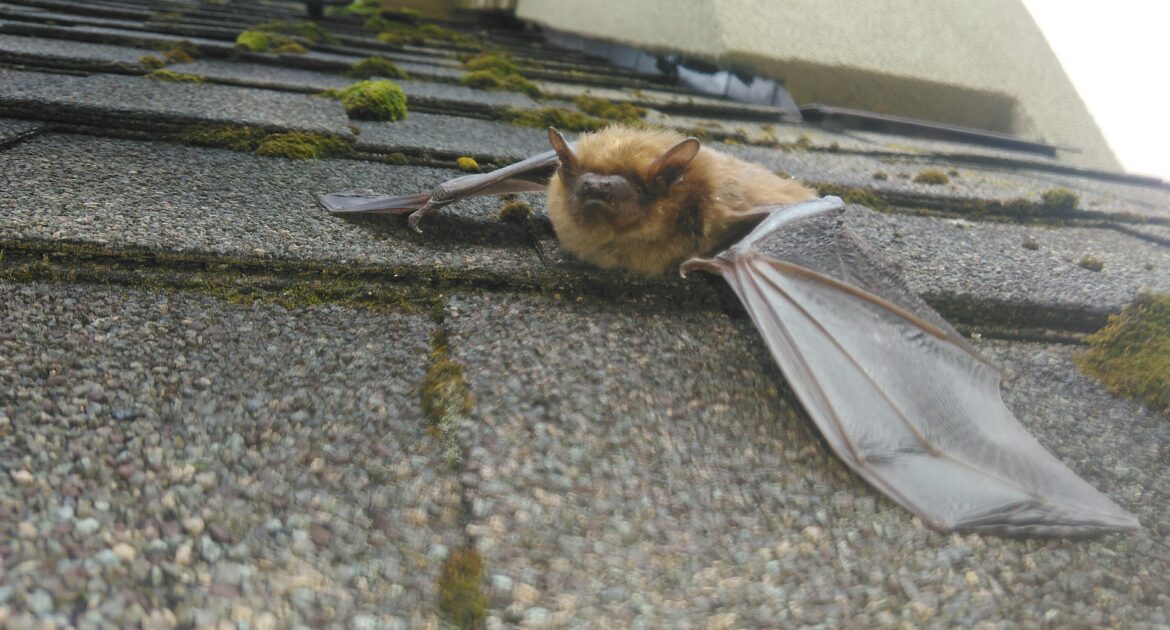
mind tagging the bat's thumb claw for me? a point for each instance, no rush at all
(710, 265)
(413, 220)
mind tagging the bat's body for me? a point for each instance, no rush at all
(897, 393)
(693, 203)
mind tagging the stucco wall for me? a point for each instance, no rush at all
(983, 64)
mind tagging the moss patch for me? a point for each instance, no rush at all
(491, 80)
(1131, 354)
(265, 38)
(1059, 201)
(500, 64)
(371, 67)
(178, 77)
(602, 108)
(358, 7)
(514, 210)
(178, 55)
(1055, 203)
(462, 600)
(1092, 263)
(372, 100)
(235, 138)
(302, 146)
(860, 196)
(291, 48)
(446, 398)
(493, 71)
(305, 30)
(559, 117)
(932, 177)
(294, 145)
(255, 41)
(391, 31)
(150, 62)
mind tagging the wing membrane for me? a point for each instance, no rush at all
(906, 404)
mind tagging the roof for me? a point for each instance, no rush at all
(212, 392)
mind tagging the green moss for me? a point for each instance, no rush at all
(392, 31)
(514, 210)
(467, 164)
(372, 100)
(559, 117)
(1055, 203)
(434, 31)
(304, 29)
(860, 196)
(932, 177)
(302, 146)
(623, 112)
(492, 80)
(255, 41)
(178, 55)
(1131, 354)
(1092, 263)
(265, 38)
(361, 7)
(296, 145)
(235, 138)
(371, 67)
(1059, 201)
(446, 398)
(462, 600)
(290, 48)
(378, 24)
(178, 77)
(494, 71)
(444, 392)
(150, 62)
(496, 62)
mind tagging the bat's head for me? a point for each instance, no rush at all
(626, 198)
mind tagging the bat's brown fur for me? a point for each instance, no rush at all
(693, 217)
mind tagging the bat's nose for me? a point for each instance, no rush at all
(591, 185)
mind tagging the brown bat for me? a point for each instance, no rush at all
(897, 393)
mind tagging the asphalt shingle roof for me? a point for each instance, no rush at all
(211, 390)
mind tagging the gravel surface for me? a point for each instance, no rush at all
(169, 459)
(988, 261)
(971, 182)
(12, 130)
(632, 466)
(173, 459)
(78, 54)
(63, 97)
(177, 198)
(454, 134)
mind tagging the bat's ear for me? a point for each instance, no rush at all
(673, 161)
(561, 146)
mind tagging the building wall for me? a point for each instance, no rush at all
(982, 64)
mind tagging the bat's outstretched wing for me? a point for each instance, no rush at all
(897, 393)
(530, 175)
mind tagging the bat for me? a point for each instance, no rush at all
(899, 396)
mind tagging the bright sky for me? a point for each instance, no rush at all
(1117, 54)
